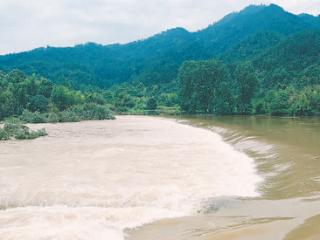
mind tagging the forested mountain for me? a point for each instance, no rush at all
(282, 80)
(261, 60)
(252, 47)
(237, 27)
(156, 60)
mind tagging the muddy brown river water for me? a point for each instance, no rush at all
(140, 178)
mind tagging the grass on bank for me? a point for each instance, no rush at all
(161, 110)
(18, 131)
(73, 114)
(13, 127)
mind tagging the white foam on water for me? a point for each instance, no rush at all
(104, 177)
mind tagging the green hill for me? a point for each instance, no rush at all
(157, 59)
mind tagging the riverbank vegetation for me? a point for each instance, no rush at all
(34, 99)
(284, 80)
(276, 82)
(20, 132)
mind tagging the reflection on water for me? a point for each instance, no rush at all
(286, 149)
(287, 153)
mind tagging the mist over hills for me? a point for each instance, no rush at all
(254, 32)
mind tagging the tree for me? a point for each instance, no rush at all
(38, 103)
(205, 87)
(64, 97)
(123, 101)
(278, 101)
(247, 85)
(186, 78)
(6, 104)
(45, 88)
(152, 104)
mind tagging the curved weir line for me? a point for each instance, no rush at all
(107, 176)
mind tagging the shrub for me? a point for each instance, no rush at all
(4, 135)
(12, 128)
(22, 134)
(19, 131)
(33, 117)
(14, 120)
(53, 117)
(92, 111)
(89, 111)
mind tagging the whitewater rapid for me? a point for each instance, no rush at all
(93, 180)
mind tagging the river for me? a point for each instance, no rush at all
(173, 178)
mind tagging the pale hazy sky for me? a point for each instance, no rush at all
(27, 24)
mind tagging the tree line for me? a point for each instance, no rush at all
(36, 99)
(211, 87)
(279, 80)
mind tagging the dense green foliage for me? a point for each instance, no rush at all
(35, 99)
(284, 80)
(18, 131)
(204, 87)
(139, 98)
(75, 113)
(266, 62)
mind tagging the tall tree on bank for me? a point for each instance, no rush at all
(247, 85)
(204, 87)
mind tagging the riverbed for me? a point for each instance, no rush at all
(173, 178)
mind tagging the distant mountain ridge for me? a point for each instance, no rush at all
(242, 35)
